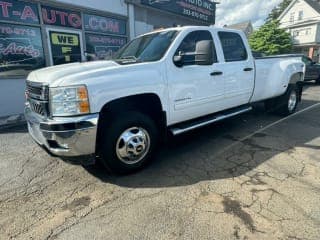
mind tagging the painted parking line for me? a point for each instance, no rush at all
(267, 127)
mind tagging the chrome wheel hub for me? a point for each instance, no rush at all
(133, 145)
(292, 101)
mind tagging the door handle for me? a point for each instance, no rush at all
(248, 69)
(216, 73)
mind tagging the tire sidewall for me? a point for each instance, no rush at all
(112, 132)
(282, 102)
(292, 89)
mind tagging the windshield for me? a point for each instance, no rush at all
(146, 48)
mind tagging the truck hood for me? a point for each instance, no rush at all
(60, 74)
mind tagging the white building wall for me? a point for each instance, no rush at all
(308, 14)
(305, 34)
(112, 6)
(302, 20)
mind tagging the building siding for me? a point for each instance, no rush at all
(308, 13)
(302, 19)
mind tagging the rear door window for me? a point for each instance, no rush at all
(233, 47)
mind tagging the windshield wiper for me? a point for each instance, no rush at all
(128, 59)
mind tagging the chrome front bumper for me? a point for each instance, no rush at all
(64, 137)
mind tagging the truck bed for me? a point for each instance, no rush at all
(271, 76)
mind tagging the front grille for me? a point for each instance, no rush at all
(38, 98)
(37, 91)
(34, 90)
(38, 107)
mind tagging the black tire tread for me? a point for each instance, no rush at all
(279, 105)
(110, 133)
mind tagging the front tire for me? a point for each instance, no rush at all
(128, 142)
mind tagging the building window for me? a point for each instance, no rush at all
(68, 33)
(300, 17)
(292, 17)
(296, 33)
(104, 36)
(103, 47)
(301, 32)
(104, 25)
(21, 50)
(308, 31)
(65, 47)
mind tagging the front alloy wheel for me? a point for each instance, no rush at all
(127, 142)
(133, 145)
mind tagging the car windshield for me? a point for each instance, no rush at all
(147, 48)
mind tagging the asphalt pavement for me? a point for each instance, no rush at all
(255, 176)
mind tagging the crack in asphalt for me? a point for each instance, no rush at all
(256, 188)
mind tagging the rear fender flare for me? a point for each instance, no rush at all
(295, 78)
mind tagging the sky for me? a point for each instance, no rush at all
(236, 11)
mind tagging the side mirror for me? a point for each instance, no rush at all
(178, 60)
(202, 56)
(204, 52)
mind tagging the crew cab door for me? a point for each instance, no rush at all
(194, 90)
(238, 68)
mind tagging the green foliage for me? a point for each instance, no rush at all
(270, 39)
(277, 11)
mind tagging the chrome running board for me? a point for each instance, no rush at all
(188, 126)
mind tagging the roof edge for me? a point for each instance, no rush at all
(286, 10)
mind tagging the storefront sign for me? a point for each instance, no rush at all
(104, 25)
(65, 47)
(202, 10)
(103, 47)
(17, 11)
(61, 17)
(20, 48)
(65, 39)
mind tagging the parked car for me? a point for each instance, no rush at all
(168, 81)
(312, 71)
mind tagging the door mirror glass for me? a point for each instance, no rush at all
(202, 56)
(204, 52)
(178, 60)
(197, 48)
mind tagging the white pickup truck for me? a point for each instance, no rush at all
(168, 81)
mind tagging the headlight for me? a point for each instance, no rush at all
(68, 101)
